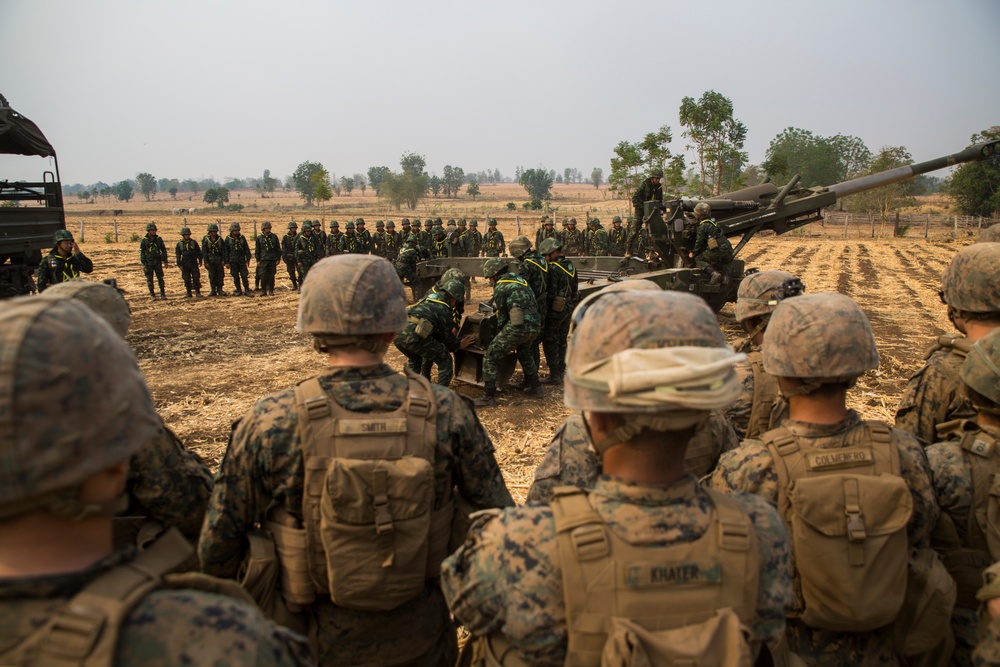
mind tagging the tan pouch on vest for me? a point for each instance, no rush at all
(925, 619)
(721, 640)
(424, 328)
(713, 244)
(558, 304)
(516, 316)
(259, 576)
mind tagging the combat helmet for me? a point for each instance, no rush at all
(266, 225)
(657, 354)
(334, 224)
(454, 288)
(102, 298)
(293, 225)
(491, 222)
(345, 297)
(620, 286)
(970, 282)
(518, 246)
(235, 227)
(412, 239)
(380, 224)
(656, 172)
(702, 210)
(150, 226)
(495, 265)
(801, 343)
(307, 226)
(438, 229)
(185, 231)
(359, 221)
(615, 219)
(390, 225)
(761, 291)
(62, 235)
(981, 372)
(473, 223)
(69, 411)
(454, 274)
(549, 245)
(428, 223)
(990, 235)
(212, 227)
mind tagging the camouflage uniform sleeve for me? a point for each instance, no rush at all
(194, 627)
(84, 263)
(748, 469)
(915, 469)
(478, 475)
(739, 412)
(951, 476)
(568, 460)
(987, 651)
(927, 398)
(701, 238)
(171, 483)
(774, 595)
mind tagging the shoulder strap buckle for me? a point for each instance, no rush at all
(590, 542)
(74, 632)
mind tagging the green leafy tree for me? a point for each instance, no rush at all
(452, 181)
(888, 198)
(268, 184)
(434, 183)
(976, 185)
(818, 160)
(173, 192)
(376, 176)
(473, 190)
(538, 183)
(322, 192)
(361, 182)
(146, 183)
(409, 186)
(717, 137)
(511, 206)
(347, 184)
(597, 177)
(235, 184)
(83, 195)
(305, 178)
(123, 190)
(218, 195)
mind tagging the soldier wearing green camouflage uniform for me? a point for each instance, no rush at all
(617, 238)
(426, 236)
(64, 262)
(406, 267)
(971, 291)
(987, 652)
(574, 240)
(333, 239)
(475, 243)
(535, 270)
(493, 242)
(267, 252)
(439, 245)
(353, 306)
(213, 250)
(238, 257)
(307, 251)
(562, 292)
(712, 251)
(188, 255)
(288, 242)
(639, 243)
(518, 325)
(758, 295)
(963, 470)
(378, 239)
(515, 584)
(650, 190)
(74, 416)
(364, 236)
(423, 349)
(546, 230)
(153, 257)
(321, 238)
(596, 239)
(815, 365)
(350, 242)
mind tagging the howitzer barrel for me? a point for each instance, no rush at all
(974, 154)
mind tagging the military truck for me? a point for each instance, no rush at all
(30, 211)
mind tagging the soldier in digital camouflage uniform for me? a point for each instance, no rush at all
(64, 262)
(758, 295)
(321, 238)
(213, 250)
(307, 251)
(712, 251)
(423, 350)
(350, 242)
(573, 240)
(364, 236)
(617, 238)
(990, 235)
(378, 239)
(987, 651)
(506, 584)
(475, 239)
(288, 254)
(354, 306)
(639, 243)
(546, 230)
(333, 239)
(267, 251)
(439, 244)
(493, 241)
(238, 256)
(596, 242)
(815, 365)
(167, 483)
(426, 236)
(75, 414)
(562, 292)
(406, 267)
(971, 291)
(391, 241)
(650, 190)
(153, 257)
(188, 254)
(518, 325)
(535, 270)
(963, 469)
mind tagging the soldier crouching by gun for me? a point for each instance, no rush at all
(712, 251)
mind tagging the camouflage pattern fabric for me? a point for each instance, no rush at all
(152, 251)
(351, 243)
(238, 255)
(264, 462)
(987, 652)
(188, 254)
(644, 193)
(750, 469)
(512, 291)
(435, 348)
(571, 460)
(365, 241)
(617, 241)
(494, 244)
(58, 269)
(406, 269)
(425, 239)
(597, 242)
(932, 395)
(572, 241)
(739, 412)
(168, 627)
(307, 253)
(474, 242)
(706, 256)
(333, 243)
(288, 242)
(507, 579)
(639, 243)
(267, 251)
(543, 233)
(214, 256)
(562, 282)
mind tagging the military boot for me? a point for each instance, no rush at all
(716, 277)
(555, 376)
(188, 295)
(197, 293)
(489, 399)
(163, 294)
(152, 294)
(532, 386)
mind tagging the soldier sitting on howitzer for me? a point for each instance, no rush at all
(712, 251)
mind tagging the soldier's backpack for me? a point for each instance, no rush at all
(847, 510)
(765, 396)
(375, 530)
(84, 632)
(687, 603)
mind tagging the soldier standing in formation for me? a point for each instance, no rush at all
(405, 231)
(617, 238)
(712, 251)
(350, 242)
(189, 258)
(238, 257)
(364, 236)
(333, 239)
(267, 251)
(80, 412)
(391, 241)
(527, 582)
(562, 292)
(971, 292)
(518, 324)
(426, 237)
(365, 596)
(475, 239)
(320, 235)
(545, 231)
(429, 337)
(288, 242)
(535, 270)
(596, 239)
(378, 239)
(153, 257)
(406, 267)
(439, 244)
(64, 262)
(307, 251)
(493, 243)
(213, 250)
(650, 190)
(573, 240)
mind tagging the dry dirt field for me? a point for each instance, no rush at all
(207, 360)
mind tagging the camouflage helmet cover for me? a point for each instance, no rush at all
(428, 223)
(702, 210)
(62, 235)
(519, 246)
(454, 274)
(491, 222)
(572, 221)
(617, 218)
(494, 265)
(185, 231)
(150, 226)
(359, 221)
(455, 289)
(212, 227)
(549, 245)
(380, 223)
(594, 221)
(103, 299)
(800, 343)
(307, 226)
(438, 229)
(990, 235)
(73, 401)
(981, 369)
(350, 225)
(235, 227)
(474, 223)
(352, 295)
(756, 294)
(656, 172)
(970, 282)
(266, 225)
(334, 225)
(291, 225)
(390, 224)
(412, 239)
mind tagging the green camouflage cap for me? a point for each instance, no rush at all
(438, 229)
(103, 299)
(702, 210)
(428, 223)
(212, 227)
(491, 222)
(334, 225)
(990, 235)
(981, 369)
(650, 351)
(62, 235)
(970, 283)
(549, 245)
(454, 274)
(474, 223)
(151, 227)
(291, 225)
(801, 343)
(73, 403)
(235, 227)
(519, 246)
(758, 293)
(350, 295)
(185, 231)
(455, 289)
(617, 218)
(307, 226)
(494, 265)
(380, 223)
(656, 172)
(412, 239)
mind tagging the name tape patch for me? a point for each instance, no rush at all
(370, 426)
(645, 575)
(836, 458)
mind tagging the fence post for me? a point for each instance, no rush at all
(82, 239)
(847, 220)
(116, 229)
(955, 229)
(927, 226)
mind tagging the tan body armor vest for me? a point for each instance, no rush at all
(374, 530)
(765, 394)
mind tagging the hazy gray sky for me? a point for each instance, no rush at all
(227, 89)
